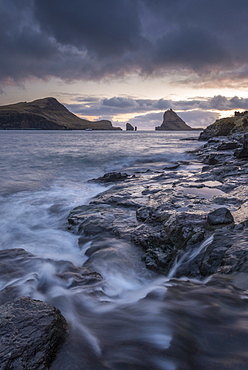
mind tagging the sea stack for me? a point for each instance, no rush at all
(129, 127)
(172, 122)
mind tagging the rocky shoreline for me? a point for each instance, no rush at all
(169, 211)
(187, 219)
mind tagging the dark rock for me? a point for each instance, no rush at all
(245, 141)
(31, 334)
(226, 254)
(220, 216)
(167, 237)
(112, 177)
(228, 145)
(243, 152)
(189, 139)
(172, 122)
(17, 263)
(143, 213)
(129, 127)
(167, 214)
(92, 220)
(171, 166)
(84, 277)
(211, 159)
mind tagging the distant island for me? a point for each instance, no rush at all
(130, 127)
(46, 114)
(172, 122)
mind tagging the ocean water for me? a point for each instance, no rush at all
(135, 319)
(45, 174)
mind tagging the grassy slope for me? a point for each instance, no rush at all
(52, 110)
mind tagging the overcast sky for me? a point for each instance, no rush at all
(127, 60)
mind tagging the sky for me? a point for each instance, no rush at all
(127, 60)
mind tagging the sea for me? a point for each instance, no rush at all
(45, 174)
(126, 323)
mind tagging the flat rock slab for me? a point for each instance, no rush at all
(31, 334)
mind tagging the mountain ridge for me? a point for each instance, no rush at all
(46, 114)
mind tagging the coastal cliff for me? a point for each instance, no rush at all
(172, 122)
(46, 114)
(226, 126)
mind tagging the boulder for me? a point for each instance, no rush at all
(31, 334)
(220, 216)
(229, 145)
(112, 177)
(166, 236)
(211, 159)
(243, 152)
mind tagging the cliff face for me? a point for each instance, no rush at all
(226, 126)
(46, 114)
(172, 122)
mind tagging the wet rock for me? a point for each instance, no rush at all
(143, 213)
(112, 177)
(80, 278)
(241, 153)
(15, 264)
(211, 159)
(245, 141)
(220, 216)
(226, 254)
(164, 241)
(94, 219)
(128, 194)
(168, 214)
(31, 334)
(228, 145)
(171, 166)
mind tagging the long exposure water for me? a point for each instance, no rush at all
(135, 319)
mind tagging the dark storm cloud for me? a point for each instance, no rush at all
(93, 39)
(185, 48)
(102, 27)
